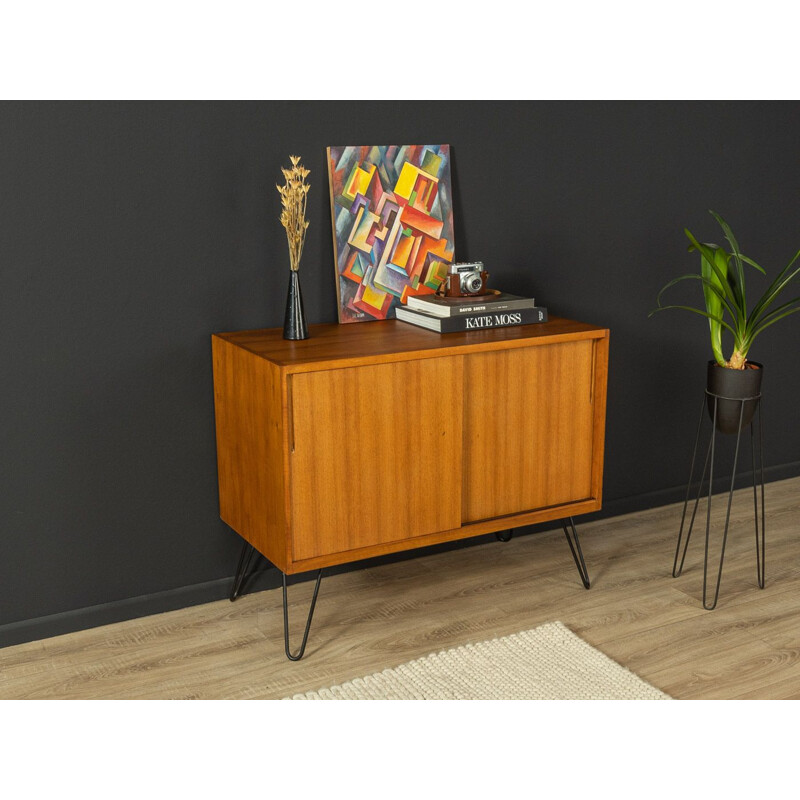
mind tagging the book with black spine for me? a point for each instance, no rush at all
(456, 306)
(473, 322)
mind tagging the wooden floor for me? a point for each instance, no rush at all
(635, 612)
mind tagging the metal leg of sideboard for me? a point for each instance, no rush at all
(244, 570)
(574, 545)
(247, 565)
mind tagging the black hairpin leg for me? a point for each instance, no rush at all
(243, 570)
(710, 604)
(760, 556)
(577, 553)
(708, 510)
(297, 656)
(677, 569)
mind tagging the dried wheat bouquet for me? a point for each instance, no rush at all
(293, 214)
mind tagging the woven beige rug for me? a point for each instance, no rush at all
(546, 663)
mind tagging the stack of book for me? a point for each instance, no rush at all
(450, 314)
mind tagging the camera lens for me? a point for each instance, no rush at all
(473, 283)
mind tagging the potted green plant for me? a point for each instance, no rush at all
(722, 275)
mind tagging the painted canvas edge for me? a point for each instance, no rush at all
(333, 235)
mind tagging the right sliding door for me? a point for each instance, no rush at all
(527, 428)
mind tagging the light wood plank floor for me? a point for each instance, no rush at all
(635, 612)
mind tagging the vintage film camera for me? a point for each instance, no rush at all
(466, 280)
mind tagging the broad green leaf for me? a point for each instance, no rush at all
(713, 302)
(707, 251)
(736, 253)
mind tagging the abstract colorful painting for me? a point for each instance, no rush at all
(392, 225)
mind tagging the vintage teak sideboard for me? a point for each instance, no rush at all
(371, 438)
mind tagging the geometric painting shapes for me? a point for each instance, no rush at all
(422, 222)
(436, 273)
(373, 302)
(417, 187)
(390, 279)
(392, 214)
(354, 267)
(407, 181)
(358, 182)
(402, 250)
(431, 163)
(362, 230)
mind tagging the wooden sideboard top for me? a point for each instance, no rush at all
(336, 345)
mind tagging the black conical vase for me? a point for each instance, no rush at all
(730, 387)
(294, 323)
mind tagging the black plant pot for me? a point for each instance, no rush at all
(730, 387)
(294, 323)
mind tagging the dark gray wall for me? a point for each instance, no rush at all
(129, 232)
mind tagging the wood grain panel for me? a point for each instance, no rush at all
(339, 346)
(600, 377)
(376, 456)
(528, 429)
(464, 532)
(250, 448)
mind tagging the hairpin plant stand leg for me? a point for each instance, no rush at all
(708, 469)
(761, 542)
(245, 569)
(677, 569)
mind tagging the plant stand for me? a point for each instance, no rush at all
(708, 469)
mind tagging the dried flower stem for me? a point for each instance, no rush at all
(293, 216)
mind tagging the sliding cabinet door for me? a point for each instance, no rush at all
(528, 425)
(376, 454)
